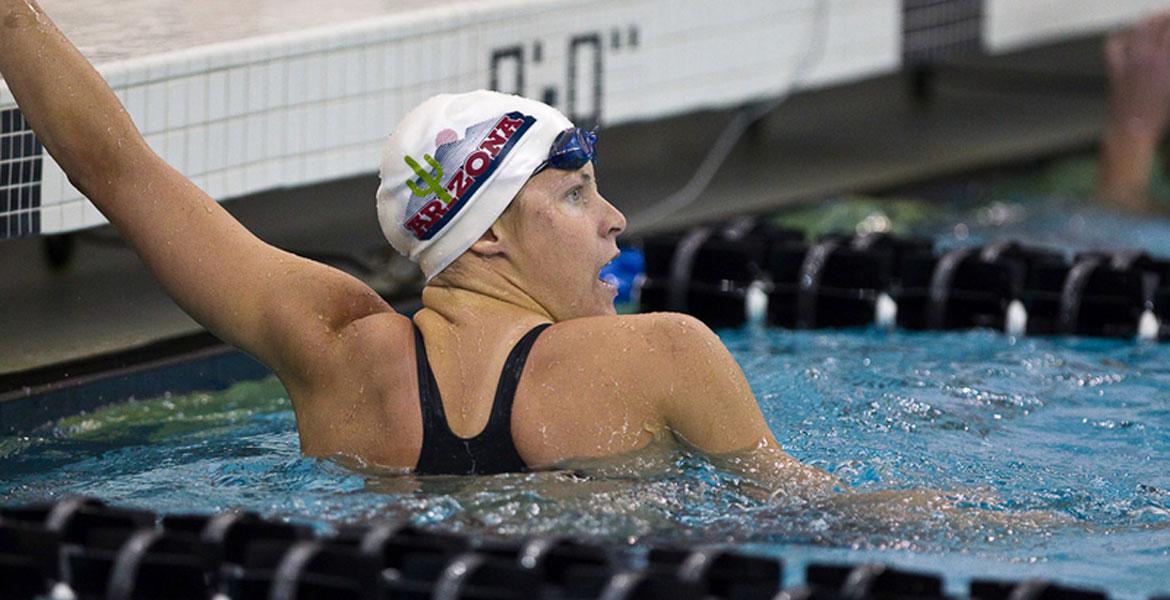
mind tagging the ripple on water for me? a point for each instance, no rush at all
(1077, 428)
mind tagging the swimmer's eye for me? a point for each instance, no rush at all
(575, 195)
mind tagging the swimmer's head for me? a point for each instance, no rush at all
(552, 242)
(485, 180)
(454, 164)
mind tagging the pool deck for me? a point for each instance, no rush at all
(863, 137)
(165, 26)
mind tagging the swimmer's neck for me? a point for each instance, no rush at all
(472, 303)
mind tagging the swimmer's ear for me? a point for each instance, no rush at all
(490, 243)
(494, 241)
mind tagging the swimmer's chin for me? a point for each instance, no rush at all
(605, 309)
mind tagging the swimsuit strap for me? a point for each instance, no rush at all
(428, 388)
(492, 450)
(500, 421)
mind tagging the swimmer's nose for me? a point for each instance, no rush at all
(616, 221)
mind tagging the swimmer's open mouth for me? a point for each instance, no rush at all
(609, 280)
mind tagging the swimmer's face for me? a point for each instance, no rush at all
(564, 232)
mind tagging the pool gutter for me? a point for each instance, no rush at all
(35, 398)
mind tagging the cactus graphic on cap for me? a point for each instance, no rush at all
(433, 179)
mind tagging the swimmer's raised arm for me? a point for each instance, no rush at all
(709, 405)
(283, 309)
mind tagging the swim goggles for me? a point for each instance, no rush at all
(571, 150)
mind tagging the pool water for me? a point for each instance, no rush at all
(1078, 428)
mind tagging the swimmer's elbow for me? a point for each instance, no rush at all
(90, 184)
(96, 167)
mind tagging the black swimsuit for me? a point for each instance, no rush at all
(490, 452)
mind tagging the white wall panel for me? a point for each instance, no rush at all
(290, 105)
(1013, 24)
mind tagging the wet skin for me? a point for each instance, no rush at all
(596, 384)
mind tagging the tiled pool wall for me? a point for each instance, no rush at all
(279, 108)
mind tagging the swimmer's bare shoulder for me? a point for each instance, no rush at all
(611, 384)
(668, 370)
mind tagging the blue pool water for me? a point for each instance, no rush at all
(1079, 428)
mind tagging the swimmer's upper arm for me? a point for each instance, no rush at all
(283, 309)
(705, 397)
(710, 406)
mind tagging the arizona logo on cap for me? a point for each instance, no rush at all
(437, 197)
(453, 165)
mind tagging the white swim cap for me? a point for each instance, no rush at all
(453, 165)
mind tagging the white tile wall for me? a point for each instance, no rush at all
(334, 162)
(237, 142)
(354, 70)
(302, 107)
(156, 108)
(197, 100)
(276, 96)
(276, 128)
(197, 142)
(298, 92)
(274, 173)
(334, 124)
(375, 69)
(215, 185)
(136, 104)
(255, 138)
(73, 215)
(90, 215)
(256, 88)
(237, 91)
(315, 139)
(217, 145)
(175, 149)
(353, 129)
(294, 170)
(200, 182)
(295, 128)
(256, 176)
(391, 65)
(156, 143)
(234, 181)
(51, 218)
(335, 65)
(314, 82)
(217, 96)
(178, 91)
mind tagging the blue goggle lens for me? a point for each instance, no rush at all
(571, 150)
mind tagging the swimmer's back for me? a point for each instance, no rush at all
(592, 387)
